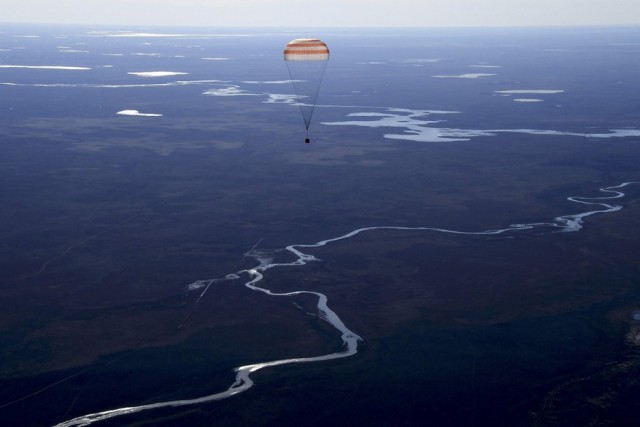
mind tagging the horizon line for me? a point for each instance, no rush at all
(286, 27)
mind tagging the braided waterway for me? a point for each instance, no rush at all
(243, 381)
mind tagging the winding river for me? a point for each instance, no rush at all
(243, 382)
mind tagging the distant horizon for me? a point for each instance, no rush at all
(285, 27)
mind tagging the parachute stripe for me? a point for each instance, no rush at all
(291, 45)
(295, 57)
(305, 52)
(306, 48)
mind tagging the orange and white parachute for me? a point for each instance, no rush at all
(306, 60)
(306, 50)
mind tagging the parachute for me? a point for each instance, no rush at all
(306, 60)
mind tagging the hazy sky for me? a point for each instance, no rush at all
(325, 13)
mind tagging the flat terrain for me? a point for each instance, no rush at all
(106, 220)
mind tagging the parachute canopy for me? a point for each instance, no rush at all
(306, 60)
(306, 50)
